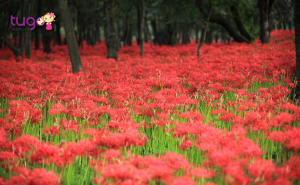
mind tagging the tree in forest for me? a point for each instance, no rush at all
(141, 27)
(295, 94)
(9, 8)
(203, 36)
(265, 8)
(28, 33)
(110, 30)
(70, 35)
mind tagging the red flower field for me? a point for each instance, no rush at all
(164, 118)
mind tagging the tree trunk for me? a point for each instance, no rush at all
(37, 28)
(141, 28)
(290, 25)
(28, 33)
(127, 29)
(148, 32)
(138, 40)
(98, 37)
(217, 37)
(111, 32)
(197, 34)
(296, 90)
(240, 24)
(284, 25)
(70, 35)
(129, 41)
(47, 37)
(229, 28)
(79, 29)
(88, 32)
(58, 35)
(153, 25)
(15, 36)
(21, 34)
(264, 21)
(118, 45)
(206, 25)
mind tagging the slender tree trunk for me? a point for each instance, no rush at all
(37, 28)
(127, 30)
(284, 25)
(79, 29)
(58, 35)
(138, 40)
(290, 25)
(21, 34)
(264, 21)
(110, 21)
(28, 33)
(295, 93)
(98, 38)
(204, 32)
(118, 46)
(197, 34)
(142, 18)
(70, 35)
(129, 41)
(107, 21)
(148, 32)
(15, 36)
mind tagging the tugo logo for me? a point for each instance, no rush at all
(48, 18)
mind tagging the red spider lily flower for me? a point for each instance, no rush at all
(183, 180)
(53, 130)
(38, 176)
(201, 172)
(176, 161)
(112, 154)
(25, 144)
(5, 156)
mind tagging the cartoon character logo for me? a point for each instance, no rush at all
(48, 18)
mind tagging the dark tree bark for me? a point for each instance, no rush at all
(28, 32)
(15, 36)
(80, 29)
(295, 94)
(110, 30)
(197, 34)
(265, 8)
(118, 45)
(185, 33)
(70, 35)
(47, 37)
(229, 28)
(264, 23)
(206, 25)
(148, 31)
(127, 29)
(97, 34)
(154, 28)
(3, 33)
(21, 34)
(58, 35)
(37, 28)
(142, 23)
(129, 39)
(240, 24)
(138, 23)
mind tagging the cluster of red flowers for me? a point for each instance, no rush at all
(112, 106)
